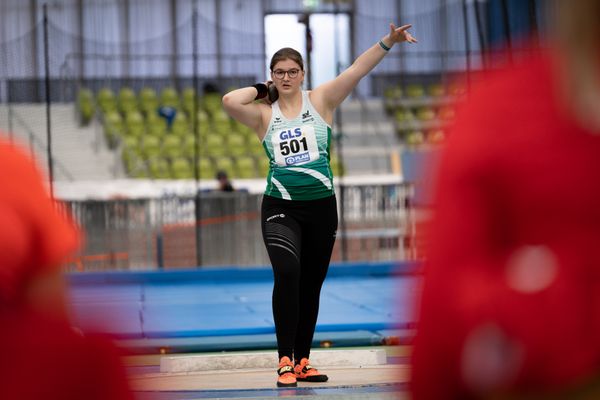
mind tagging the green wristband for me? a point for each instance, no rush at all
(383, 46)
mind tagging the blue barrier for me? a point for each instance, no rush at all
(234, 274)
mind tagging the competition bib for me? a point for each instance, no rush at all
(295, 146)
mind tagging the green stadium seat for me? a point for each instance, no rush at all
(113, 118)
(202, 116)
(151, 147)
(415, 138)
(187, 146)
(226, 164)
(85, 106)
(211, 103)
(158, 168)
(148, 101)
(214, 145)
(171, 146)
(403, 115)
(127, 100)
(180, 126)
(262, 163)
(436, 90)
(247, 132)
(415, 91)
(256, 148)
(106, 100)
(113, 128)
(156, 126)
(236, 144)
(237, 126)
(169, 97)
(147, 94)
(206, 169)
(245, 167)
(131, 143)
(221, 127)
(221, 117)
(425, 114)
(336, 166)
(392, 92)
(204, 129)
(188, 98)
(112, 135)
(134, 124)
(181, 168)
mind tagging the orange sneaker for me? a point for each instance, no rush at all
(304, 372)
(287, 378)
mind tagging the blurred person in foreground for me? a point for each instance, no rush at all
(510, 307)
(42, 356)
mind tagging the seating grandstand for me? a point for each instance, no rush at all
(152, 146)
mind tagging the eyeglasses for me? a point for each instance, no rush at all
(291, 73)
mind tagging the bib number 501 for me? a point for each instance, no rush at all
(293, 146)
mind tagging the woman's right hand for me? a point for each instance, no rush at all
(272, 93)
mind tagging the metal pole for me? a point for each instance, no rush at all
(533, 19)
(48, 120)
(305, 19)
(33, 6)
(80, 43)
(481, 35)
(467, 41)
(338, 141)
(443, 21)
(506, 22)
(10, 113)
(197, 199)
(218, 40)
(174, 39)
(402, 64)
(127, 42)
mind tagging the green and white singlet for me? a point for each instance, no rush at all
(298, 151)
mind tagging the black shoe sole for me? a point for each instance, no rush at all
(317, 378)
(279, 384)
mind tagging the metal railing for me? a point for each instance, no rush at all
(142, 234)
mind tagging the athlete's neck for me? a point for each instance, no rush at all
(291, 105)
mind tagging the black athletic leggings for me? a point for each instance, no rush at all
(299, 236)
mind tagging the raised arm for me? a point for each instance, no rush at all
(331, 94)
(240, 105)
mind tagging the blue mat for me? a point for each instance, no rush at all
(359, 304)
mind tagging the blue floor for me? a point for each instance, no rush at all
(368, 391)
(230, 309)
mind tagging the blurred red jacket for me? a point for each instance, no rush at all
(511, 294)
(42, 356)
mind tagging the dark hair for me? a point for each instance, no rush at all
(287, 53)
